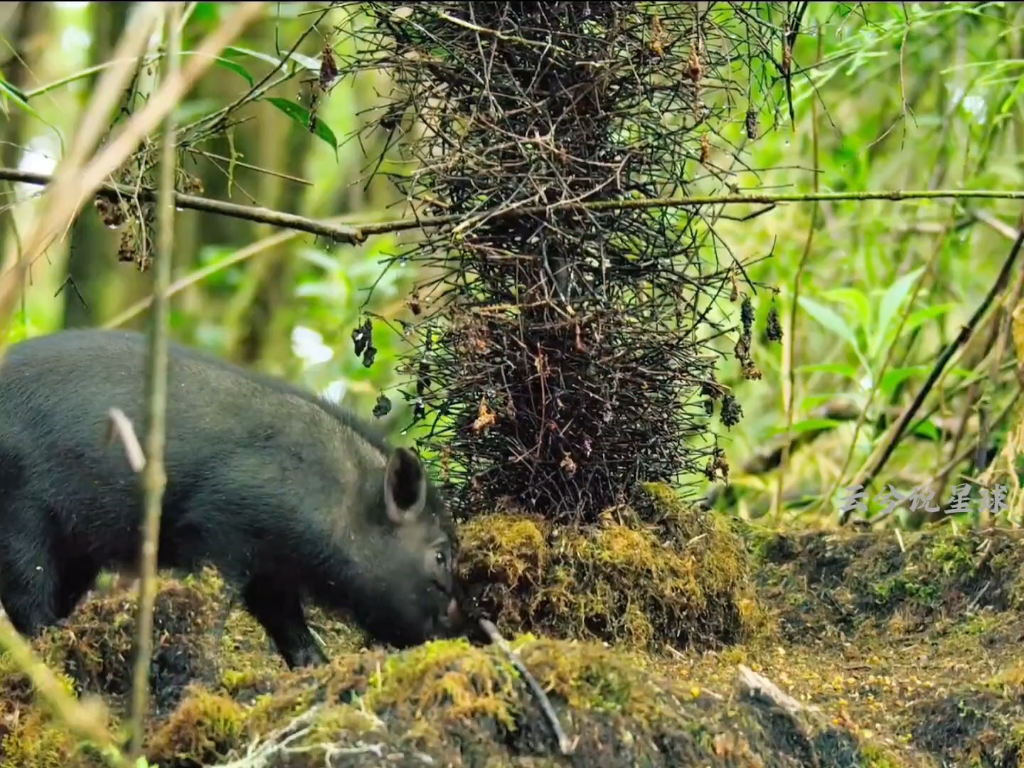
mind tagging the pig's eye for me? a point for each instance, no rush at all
(441, 558)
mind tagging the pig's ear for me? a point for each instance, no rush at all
(405, 486)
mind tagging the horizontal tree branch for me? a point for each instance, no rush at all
(359, 233)
(208, 205)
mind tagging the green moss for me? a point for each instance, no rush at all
(444, 678)
(954, 553)
(975, 626)
(461, 704)
(682, 579)
(29, 737)
(900, 588)
(1009, 681)
(203, 728)
(846, 606)
(36, 742)
(879, 757)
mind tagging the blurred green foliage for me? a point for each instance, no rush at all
(893, 95)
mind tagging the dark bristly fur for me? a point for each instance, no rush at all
(286, 494)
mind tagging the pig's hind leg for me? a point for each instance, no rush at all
(41, 581)
(30, 580)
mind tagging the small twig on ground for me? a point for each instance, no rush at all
(261, 750)
(750, 682)
(977, 598)
(565, 746)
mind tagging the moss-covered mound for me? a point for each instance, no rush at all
(904, 583)
(681, 579)
(447, 703)
(458, 705)
(93, 655)
(885, 651)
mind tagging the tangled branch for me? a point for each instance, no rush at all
(562, 334)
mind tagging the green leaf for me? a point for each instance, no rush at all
(15, 94)
(205, 15)
(10, 89)
(812, 425)
(300, 114)
(922, 316)
(237, 68)
(897, 376)
(889, 306)
(313, 65)
(803, 500)
(304, 61)
(839, 369)
(927, 429)
(829, 319)
(854, 299)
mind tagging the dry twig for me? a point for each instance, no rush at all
(750, 682)
(565, 746)
(154, 479)
(121, 426)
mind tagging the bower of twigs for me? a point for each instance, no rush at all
(562, 344)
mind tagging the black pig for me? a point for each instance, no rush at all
(287, 495)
